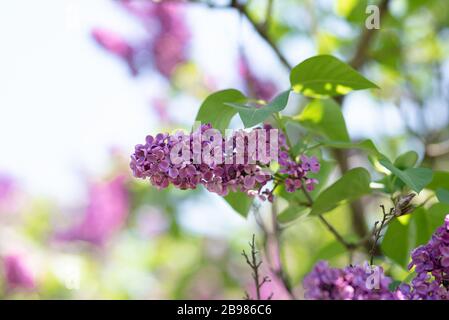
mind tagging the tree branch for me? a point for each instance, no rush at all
(357, 61)
(258, 27)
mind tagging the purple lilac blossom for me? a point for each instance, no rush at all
(105, 214)
(349, 283)
(17, 275)
(431, 263)
(153, 160)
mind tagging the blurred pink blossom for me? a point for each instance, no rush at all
(254, 86)
(105, 214)
(160, 107)
(165, 44)
(9, 194)
(17, 275)
(116, 45)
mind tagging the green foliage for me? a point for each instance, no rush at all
(366, 145)
(352, 185)
(407, 232)
(324, 117)
(216, 111)
(292, 213)
(252, 115)
(443, 195)
(325, 75)
(240, 202)
(415, 178)
(406, 160)
(440, 180)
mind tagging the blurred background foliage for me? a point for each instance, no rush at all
(127, 240)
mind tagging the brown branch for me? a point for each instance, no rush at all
(360, 56)
(358, 60)
(254, 264)
(260, 28)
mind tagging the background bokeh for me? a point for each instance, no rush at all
(82, 82)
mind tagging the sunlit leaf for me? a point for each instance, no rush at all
(324, 117)
(325, 75)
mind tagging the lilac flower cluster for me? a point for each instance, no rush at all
(431, 262)
(351, 283)
(164, 45)
(154, 160)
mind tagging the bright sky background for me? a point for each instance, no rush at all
(64, 102)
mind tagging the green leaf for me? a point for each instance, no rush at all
(328, 251)
(443, 195)
(397, 242)
(215, 111)
(252, 115)
(324, 117)
(240, 202)
(352, 185)
(408, 232)
(437, 213)
(440, 180)
(325, 75)
(415, 178)
(365, 145)
(291, 213)
(406, 160)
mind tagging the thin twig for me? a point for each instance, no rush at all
(377, 231)
(255, 264)
(260, 29)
